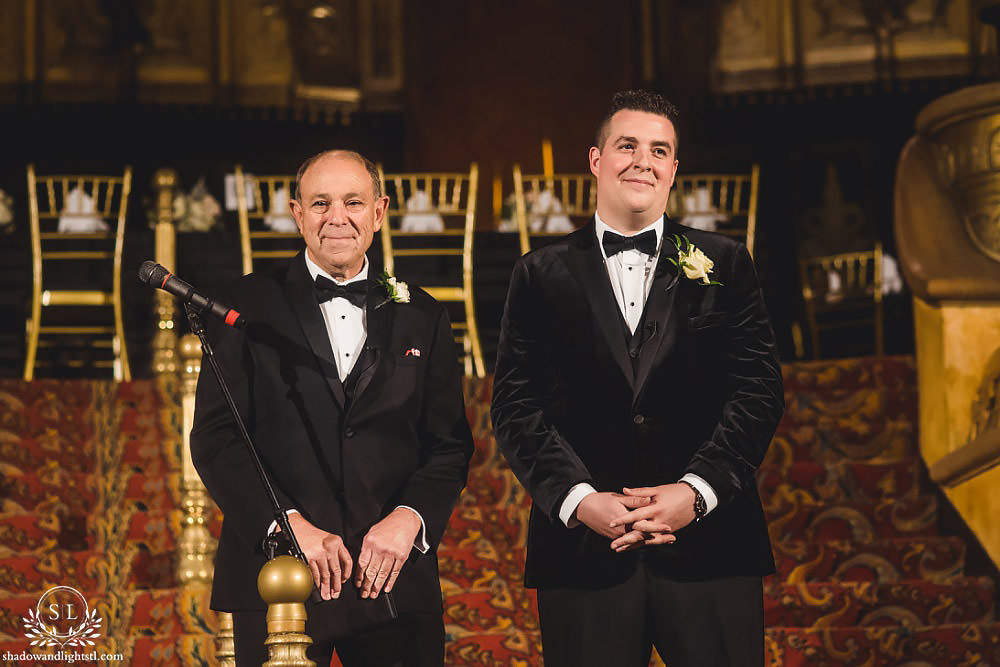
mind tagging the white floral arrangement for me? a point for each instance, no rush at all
(197, 211)
(696, 264)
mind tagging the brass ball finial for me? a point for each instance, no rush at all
(190, 347)
(283, 580)
(165, 178)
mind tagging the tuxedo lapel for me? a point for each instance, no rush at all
(660, 306)
(379, 315)
(301, 295)
(587, 264)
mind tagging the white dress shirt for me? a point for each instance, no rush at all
(631, 273)
(347, 327)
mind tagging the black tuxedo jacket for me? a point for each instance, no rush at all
(402, 440)
(704, 396)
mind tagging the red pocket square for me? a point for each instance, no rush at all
(412, 352)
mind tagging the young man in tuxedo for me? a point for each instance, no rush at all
(352, 393)
(637, 389)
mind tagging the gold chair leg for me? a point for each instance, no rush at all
(476, 351)
(33, 328)
(879, 333)
(797, 342)
(467, 354)
(472, 331)
(122, 372)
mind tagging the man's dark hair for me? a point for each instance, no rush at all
(637, 100)
(368, 164)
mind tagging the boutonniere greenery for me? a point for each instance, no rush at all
(695, 263)
(395, 290)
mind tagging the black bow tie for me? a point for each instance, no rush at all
(615, 243)
(355, 292)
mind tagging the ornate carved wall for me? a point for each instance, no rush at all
(322, 53)
(768, 44)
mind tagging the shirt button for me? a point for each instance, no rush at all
(631, 303)
(343, 317)
(638, 420)
(349, 433)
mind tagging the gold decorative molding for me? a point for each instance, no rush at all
(196, 546)
(165, 244)
(284, 583)
(968, 462)
(964, 130)
(986, 407)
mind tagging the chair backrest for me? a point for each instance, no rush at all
(425, 208)
(81, 219)
(267, 228)
(830, 279)
(843, 282)
(551, 205)
(77, 217)
(432, 215)
(725, 203)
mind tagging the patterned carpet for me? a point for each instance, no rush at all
(91, 499)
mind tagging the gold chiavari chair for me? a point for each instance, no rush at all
(570, 195)
(267, 228)
(93, 209)
(728, 200)
(842, 291)
(452, 196)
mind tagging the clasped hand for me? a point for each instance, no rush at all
(383, 552)
(668, 508)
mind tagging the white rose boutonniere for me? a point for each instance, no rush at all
(696, 264)
(395, 290)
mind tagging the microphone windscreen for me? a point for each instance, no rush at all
(152, 273)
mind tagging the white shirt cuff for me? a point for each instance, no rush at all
(711, 500)
(420, 544)
(274, 524)
(569, 504)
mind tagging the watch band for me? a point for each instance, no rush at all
(700, 506)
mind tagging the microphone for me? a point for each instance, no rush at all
(153, 274)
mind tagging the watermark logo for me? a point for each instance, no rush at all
(62, 618)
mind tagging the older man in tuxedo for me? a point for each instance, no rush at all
(637, 389)
(351, 389)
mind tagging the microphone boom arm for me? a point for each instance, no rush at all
(280, 515)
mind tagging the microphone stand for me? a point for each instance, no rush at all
(271, 542)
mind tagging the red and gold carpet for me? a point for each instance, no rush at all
(90, 493)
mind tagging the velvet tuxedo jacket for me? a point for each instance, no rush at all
(344, 464)
(702, 395)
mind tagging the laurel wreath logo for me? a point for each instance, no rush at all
(81, 635)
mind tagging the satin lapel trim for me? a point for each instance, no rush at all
(379, 316)
(301, 296)
(588, 265)
(659, 305)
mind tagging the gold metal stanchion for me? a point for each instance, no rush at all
(225, 646)
(197, 547)
(165, 340)
(284, 584)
